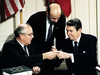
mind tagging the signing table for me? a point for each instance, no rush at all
(28, 71)
(71, 72)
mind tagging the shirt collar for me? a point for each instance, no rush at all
(78, 40)
(47, 20)
(20, 43)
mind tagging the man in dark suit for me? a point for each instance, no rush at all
(81, 55)
(14, 53)
(40, 23)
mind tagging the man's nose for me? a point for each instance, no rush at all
(56, 20)
(32, 36)
(68, 33)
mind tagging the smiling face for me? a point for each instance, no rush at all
(72, 33)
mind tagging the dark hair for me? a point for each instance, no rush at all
(75, 22)
(18, 31)
(48, 10)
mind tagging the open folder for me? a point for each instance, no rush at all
(19, 70)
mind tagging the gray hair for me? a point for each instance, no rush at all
(19, 30)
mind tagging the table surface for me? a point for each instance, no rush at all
(71, 72)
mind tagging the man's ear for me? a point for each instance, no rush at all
(80, 30)
(47, 13)
(21, 36)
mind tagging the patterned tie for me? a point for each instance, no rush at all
(75, 47)
(25, 50)
(49, 32)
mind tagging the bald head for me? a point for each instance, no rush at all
(55, 9)
(23, 25)
(54, 12)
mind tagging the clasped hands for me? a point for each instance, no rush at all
(51, 55)
(55, 53)
(60, 54)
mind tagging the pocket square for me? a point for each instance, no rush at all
(84, 51)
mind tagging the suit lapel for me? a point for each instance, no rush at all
(72, 48)
(44, 27)
(82, 42)
(69, 46)
(19, 48)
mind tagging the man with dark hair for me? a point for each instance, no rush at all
(79, 49)
(20, 51)
(41, 22)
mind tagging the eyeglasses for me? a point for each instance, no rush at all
(31, 34)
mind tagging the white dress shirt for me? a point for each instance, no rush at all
(23, 47)
(71, 54)
(47, 27)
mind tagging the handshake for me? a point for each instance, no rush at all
(52, 55)
(55, 53)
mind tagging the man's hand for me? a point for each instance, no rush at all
(63, 55)
(49, 55)
(36, 70)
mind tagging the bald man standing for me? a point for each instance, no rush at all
(48, 25)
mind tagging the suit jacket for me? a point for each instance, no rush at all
(86, 56)
(14, 55)
(38, 23)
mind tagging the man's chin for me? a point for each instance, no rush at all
(70, 38)
(53, 22)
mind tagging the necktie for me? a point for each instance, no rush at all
(25, 50)
(49, 32)
(75, 47)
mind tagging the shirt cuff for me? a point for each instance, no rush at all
(72, 57)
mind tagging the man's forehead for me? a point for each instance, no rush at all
(55, 16)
